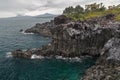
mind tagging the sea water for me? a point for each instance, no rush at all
(26, 69)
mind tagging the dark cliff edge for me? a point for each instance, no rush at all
(98, 37)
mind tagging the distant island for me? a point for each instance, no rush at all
(46, 15)
(79, 33)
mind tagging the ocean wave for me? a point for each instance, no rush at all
(9, 55)
(75, 59)
(36, 57)
(26, 33)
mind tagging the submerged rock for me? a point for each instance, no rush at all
(21, 30)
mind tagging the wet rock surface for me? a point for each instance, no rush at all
(42, 29)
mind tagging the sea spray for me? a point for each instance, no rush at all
(8, 54)
(23, 32)
(69, 59)
(36, 57)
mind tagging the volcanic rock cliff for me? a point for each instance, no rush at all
(44, 28)
(108, 65)
(98, 37)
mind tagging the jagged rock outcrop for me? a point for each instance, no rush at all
(76, 39)
(62, 19)
(80, 41)
(42, 29)
(108, 65)
(22, 54)
(98, 37)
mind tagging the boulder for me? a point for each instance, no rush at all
(42, 29)
(62, 19)
(21, 54)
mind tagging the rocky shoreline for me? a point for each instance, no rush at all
(98, 37)
(107, 66)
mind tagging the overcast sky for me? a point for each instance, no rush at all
(10, 8)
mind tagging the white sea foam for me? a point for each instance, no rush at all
(58, 57)
(8, 54)
(36, 57)
(26, 33)
(75, 59)
(24, 50)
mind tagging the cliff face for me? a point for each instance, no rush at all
(108, 65)
(98, 37)
(74, 39)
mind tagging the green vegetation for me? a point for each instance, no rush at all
(91, 11)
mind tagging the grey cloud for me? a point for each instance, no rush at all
(24, 6)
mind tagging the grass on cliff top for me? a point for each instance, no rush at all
(94, 14)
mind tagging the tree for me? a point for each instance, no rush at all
(103, 8)
(79, 9)
(68, 10)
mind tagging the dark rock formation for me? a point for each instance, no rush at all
(109, 16)
(22, 54)
(99, 37)
(21, 30)
(62, 19)
(108, 65)
(81, 41)
(75, 39)
(42, 29)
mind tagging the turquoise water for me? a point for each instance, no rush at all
(23, 69)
